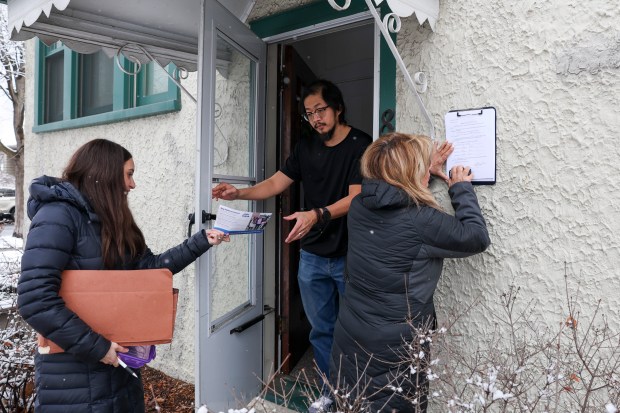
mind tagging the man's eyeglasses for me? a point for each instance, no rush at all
(319, 112)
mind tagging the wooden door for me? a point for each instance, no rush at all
(294, 326)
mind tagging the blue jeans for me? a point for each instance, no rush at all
(321, 281)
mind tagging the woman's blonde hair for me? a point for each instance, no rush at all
(401, 160)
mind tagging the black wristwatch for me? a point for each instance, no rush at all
(325, 215)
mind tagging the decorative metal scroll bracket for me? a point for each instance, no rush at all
(181, 71)
(391, 24)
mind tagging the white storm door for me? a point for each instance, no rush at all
(229, 298)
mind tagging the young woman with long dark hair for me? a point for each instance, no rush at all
(82, 221)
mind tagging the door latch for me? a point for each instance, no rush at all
(192, 219)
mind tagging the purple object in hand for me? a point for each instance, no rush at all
(138, 356)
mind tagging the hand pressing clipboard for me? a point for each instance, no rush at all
(473, 133)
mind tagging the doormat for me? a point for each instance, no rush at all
(291, 393)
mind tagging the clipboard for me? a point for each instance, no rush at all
(474, 135)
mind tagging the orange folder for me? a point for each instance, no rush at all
(131, 308)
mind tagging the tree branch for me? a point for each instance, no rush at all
(6, 92)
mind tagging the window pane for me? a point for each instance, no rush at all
(96, 88)
(54, 74)
(78, 90)
(233, 274)
(232, 271)
(234, 112)
(155, 80)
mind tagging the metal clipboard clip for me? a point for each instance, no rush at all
(469, 112)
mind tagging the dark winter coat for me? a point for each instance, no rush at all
(395, 258)
(65, 234)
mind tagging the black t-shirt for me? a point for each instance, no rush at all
(326, 173)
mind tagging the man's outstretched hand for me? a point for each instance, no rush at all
(225, 191)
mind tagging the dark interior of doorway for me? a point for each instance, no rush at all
(344, 56)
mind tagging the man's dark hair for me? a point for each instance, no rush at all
(330, 94)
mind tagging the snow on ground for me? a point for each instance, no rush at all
(11, 250)
(258, 405)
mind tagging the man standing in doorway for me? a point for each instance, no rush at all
(328, 166)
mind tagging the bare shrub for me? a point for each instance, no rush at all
(17, 347)
(17, 340)
(524, 365)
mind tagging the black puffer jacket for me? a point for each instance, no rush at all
(65, 234)
(394, 262)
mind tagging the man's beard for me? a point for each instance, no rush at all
(326, 137)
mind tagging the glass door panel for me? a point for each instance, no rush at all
(232, 272)
(234, 136)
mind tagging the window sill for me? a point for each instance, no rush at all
(111, 117)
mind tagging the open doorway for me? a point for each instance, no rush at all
(345, 55)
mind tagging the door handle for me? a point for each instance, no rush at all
(247, 324)
(239, 329)
(192, 219)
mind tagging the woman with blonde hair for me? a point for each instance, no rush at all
(398, 238)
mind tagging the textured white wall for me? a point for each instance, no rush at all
(268, 7)
(552, 70)
(164, 149)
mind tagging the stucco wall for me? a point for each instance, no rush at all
(164, 150)
(267, 8)
(552, 71)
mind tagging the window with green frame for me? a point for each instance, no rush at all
(74, 90)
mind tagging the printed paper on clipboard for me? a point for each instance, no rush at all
(472, 132)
